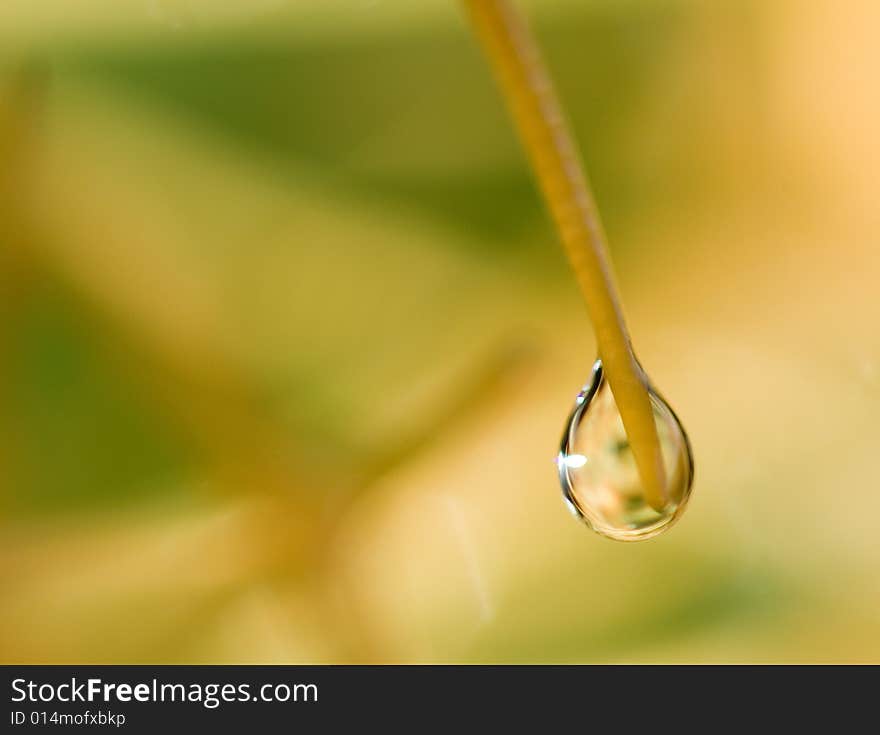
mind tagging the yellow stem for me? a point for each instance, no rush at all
(508, 43)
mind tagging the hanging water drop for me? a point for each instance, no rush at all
(599, 476)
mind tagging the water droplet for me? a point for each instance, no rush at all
(600, 481)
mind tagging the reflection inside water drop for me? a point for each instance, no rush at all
(599, 477)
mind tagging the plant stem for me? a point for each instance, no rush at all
(509, 45)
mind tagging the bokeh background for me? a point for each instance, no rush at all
(287, 340)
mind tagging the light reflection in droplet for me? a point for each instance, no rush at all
(573, 461)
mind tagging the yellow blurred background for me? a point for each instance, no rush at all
(287, 340)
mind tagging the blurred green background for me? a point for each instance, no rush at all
(287, 340)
